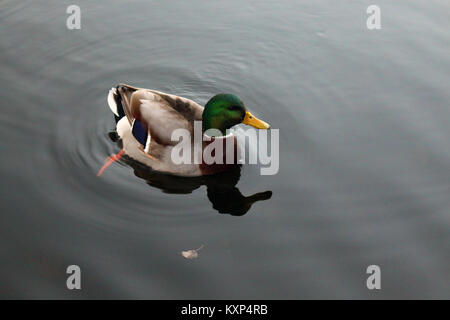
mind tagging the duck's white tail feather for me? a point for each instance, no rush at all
(112, 101)
(119, 101)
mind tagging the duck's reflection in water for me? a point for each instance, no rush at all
(221, 188)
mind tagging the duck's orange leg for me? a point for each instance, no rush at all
(109, 160)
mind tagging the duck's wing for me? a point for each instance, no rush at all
(155, 113)
(162, 114)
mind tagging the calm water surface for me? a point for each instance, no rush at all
(364, 176)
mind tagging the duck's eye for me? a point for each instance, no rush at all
(234, 108)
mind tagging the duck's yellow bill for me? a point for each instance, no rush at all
(253, 121)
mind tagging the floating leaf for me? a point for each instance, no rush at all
(191, 254)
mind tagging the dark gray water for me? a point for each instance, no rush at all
(364, 176)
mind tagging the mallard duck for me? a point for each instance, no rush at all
(146, 119)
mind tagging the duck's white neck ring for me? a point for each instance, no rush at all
(217, 137)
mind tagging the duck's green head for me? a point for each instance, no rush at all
(226, 110)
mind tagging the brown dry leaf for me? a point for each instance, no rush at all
(191, 254)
